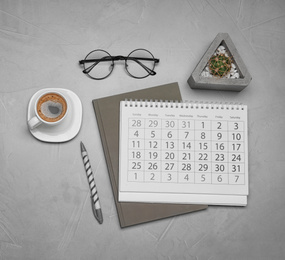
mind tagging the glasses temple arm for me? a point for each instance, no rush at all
(88, 69)
(139, 58)
(96, 61)
(150, 71)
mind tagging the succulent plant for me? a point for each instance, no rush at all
(220, 65)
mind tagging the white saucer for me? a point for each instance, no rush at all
(69, 127)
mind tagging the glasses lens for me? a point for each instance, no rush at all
(98, 64)
(140, 63)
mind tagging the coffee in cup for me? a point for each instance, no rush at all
(50, 109)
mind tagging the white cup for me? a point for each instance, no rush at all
(50, 108)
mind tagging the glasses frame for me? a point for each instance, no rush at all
(112, 59)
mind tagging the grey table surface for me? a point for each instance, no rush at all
(45, 210)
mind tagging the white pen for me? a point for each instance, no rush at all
(94, 195)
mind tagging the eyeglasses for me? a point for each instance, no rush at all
(99, 64)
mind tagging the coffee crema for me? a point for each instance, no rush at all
(51, 107)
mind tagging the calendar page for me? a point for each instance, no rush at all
(183, 153)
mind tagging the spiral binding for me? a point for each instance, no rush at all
(183, 104)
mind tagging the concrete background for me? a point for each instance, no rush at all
(45, 208)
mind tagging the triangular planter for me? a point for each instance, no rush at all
(197, 81)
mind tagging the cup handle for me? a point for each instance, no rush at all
(34, 122)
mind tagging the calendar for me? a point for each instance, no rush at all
(183, 152)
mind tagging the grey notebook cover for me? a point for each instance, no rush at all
(107, 111)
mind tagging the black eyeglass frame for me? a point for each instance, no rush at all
(119, 57)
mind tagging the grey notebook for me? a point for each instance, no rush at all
(107, 111)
